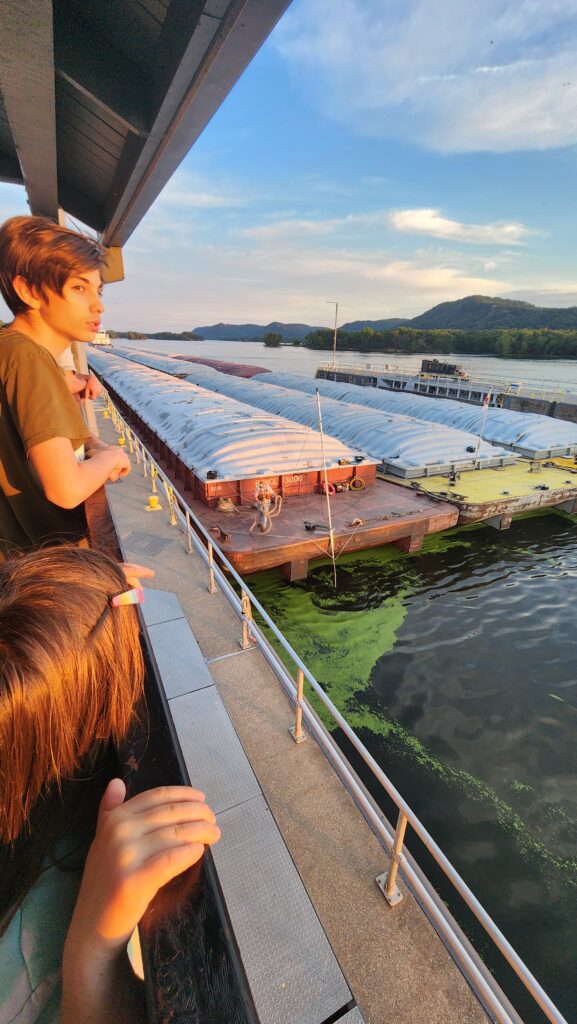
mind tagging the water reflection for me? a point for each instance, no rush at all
(459, 668)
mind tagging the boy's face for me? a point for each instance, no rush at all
(74, 315)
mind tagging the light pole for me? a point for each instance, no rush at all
(331, 302)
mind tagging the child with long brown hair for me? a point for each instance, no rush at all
(71, 673)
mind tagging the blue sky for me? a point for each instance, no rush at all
(393, 156)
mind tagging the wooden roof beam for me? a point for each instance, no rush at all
(93, 66)
(27, 82)
(203, 50)
(10, 170)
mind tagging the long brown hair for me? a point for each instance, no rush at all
(71, 671)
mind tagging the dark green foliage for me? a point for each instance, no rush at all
(159, 336)
(509, 343)
(272, 339)
(481, 312)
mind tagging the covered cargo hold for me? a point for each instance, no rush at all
(529, 434)
(227, 447)
(405, 446)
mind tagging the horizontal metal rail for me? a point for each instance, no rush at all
(489, 992)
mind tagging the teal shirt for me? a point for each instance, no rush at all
(31, 949)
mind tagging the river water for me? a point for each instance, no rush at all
(458, 667)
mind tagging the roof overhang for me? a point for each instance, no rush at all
(100, 102)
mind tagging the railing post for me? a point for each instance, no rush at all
(170, 498)
(153, 475)
(246, 618)
(296, 730)
(387, 882)
(188, 537)
(212, 587)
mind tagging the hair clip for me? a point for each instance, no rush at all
(134, 596)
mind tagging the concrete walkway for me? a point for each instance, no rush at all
(394, 962)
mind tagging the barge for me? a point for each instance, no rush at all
(261, 483)
(447, 380)
(403, 446)
(528, 434)
(492, 490)
(496, 496)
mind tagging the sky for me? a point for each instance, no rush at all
(387, 155)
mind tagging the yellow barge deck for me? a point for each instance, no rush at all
(499, 494)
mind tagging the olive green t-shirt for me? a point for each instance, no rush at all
(35, 406)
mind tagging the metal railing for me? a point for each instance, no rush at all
(550, 391)
(478, 975)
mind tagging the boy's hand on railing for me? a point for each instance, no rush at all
(120, 463)
(93, 387)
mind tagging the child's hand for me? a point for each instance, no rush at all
(139, 846)
(93, 386)
(120, 463)
(135, 573)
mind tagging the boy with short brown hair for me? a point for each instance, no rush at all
(50, 279)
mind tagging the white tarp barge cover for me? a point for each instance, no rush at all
(212, 433)
(528, 433)
(406, 447)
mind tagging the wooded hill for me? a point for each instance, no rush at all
(481, 313)
(473, 313)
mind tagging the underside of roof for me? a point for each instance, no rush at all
(100, 100)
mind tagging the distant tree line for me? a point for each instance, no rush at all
(510, 343)
(159, 336)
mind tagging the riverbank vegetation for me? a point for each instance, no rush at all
(159, 336)
(509, 343)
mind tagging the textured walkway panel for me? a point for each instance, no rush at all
(292, 971)
(353, 1017)
(215, 759)
(179, 658)
(160, 606)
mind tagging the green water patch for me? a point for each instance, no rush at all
(342, 634)
(339, 649)
(402, 746)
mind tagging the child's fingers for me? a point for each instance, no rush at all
(152, 798)
(174, 836)
(133, 569)
(114, 795)
(173, 815)
(161, 868)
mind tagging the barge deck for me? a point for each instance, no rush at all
(382, 514)
(495, 496)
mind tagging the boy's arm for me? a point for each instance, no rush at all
(67, 482)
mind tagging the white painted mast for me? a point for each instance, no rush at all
(326, 482)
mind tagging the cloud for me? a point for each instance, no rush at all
(419, 221)
(187, 191)
(285, 228)
(322, 226)
(430, 222)
(452, 76)
(229, 280)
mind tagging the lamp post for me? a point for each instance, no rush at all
(331, 302)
